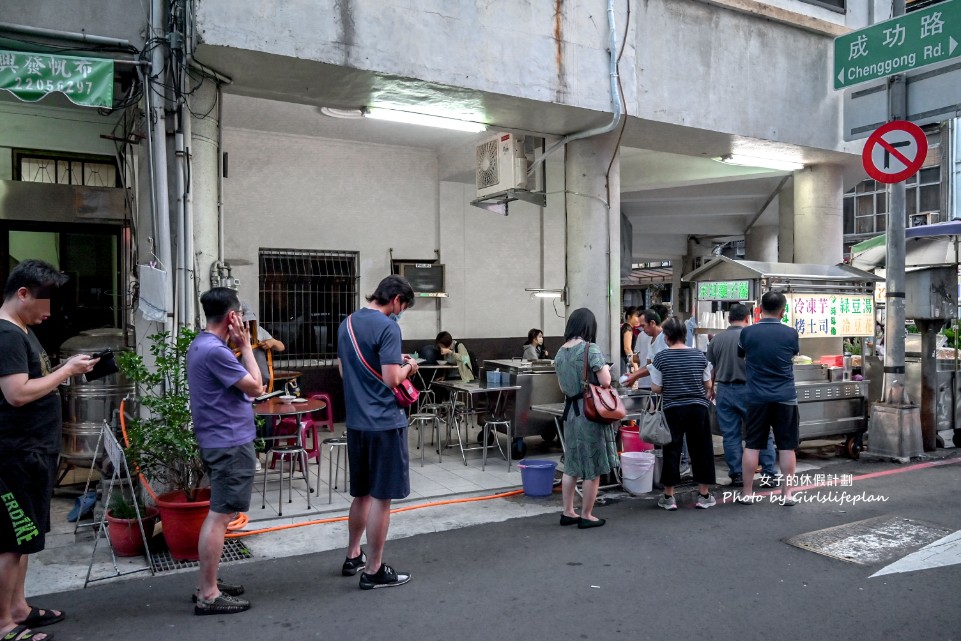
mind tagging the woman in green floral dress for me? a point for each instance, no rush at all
(590, 451)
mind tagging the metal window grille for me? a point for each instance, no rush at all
(93, 171)
(304, 296)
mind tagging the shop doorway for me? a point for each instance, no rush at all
(92, 257)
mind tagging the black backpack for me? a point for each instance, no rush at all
(472, 358)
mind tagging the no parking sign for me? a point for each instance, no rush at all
(895, 151)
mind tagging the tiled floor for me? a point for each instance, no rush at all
(434, 480)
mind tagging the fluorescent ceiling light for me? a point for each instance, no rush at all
(349, 114)
(765, 163)
(537, 292)
(409, 117)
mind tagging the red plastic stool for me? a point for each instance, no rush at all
(327, 422)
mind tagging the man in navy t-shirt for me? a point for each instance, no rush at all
(768, 348)
(220, 405)
(371, 364)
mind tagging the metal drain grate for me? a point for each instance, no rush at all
(233, 551)
(877, 540)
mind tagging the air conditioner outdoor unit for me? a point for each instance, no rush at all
(501, 165)
(925, 218)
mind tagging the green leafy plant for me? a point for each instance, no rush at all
(121, 509)
(162, 440)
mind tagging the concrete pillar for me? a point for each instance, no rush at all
(205, 172)
(760, 243)
(818, 231)
(818, 221)
(593, 233)
(785, 233)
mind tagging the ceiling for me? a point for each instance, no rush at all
(667, 170)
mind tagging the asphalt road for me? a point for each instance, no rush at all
(723, 573)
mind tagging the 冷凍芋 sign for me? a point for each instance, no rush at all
(30, 76)
(830, 315)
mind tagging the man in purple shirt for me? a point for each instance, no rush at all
(220, 391)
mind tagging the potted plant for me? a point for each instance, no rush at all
(162, 441)
(123, 530)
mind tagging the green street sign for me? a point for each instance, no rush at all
(911, 41)
(87, 82)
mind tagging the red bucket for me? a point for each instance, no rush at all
(631, 440)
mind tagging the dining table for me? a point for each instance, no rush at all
(277, 408)
(473, 390)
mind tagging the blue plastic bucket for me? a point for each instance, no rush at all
(537, 475)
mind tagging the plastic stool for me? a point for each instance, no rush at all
(420, 422)
(326, 423)
(339, 443)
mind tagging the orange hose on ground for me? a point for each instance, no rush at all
(242, 519)
(408, 508)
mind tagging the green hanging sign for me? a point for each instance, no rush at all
(29, 76)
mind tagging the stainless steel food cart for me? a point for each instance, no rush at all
(825, 303)
(538, 386)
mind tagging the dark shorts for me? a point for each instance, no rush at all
(26, 486)
(231, 474)
(379, 463)
(782, 418)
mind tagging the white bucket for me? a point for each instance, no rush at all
(637, 472)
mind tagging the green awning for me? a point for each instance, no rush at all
(877, 241)
(30, 76)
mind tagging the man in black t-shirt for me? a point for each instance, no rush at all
(30, 424)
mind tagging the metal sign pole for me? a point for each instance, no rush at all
(894, 429)
(895, 321)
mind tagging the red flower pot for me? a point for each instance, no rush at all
(182, 520)
(125, 534)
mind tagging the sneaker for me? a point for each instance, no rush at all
(737, 478)
(354, 565)
(223, 604)
(767, 481)
(230, 589)
(667, 502)
(257, 467)
(385, 577)
(748, 499)
(686, 472)
(705, 502)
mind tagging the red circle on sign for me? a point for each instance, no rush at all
(912, 165)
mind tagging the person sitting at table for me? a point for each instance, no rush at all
(263, 344)
(264, 340)
(455, 353)
(534, 347)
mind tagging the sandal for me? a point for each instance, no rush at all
(39, 617)
(23, 633)
(223, 604)
(229, 589)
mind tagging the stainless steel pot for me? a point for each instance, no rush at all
(87, 404)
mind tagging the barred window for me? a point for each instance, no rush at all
(304, 296)
(866, 206)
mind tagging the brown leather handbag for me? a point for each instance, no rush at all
(601, 404)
